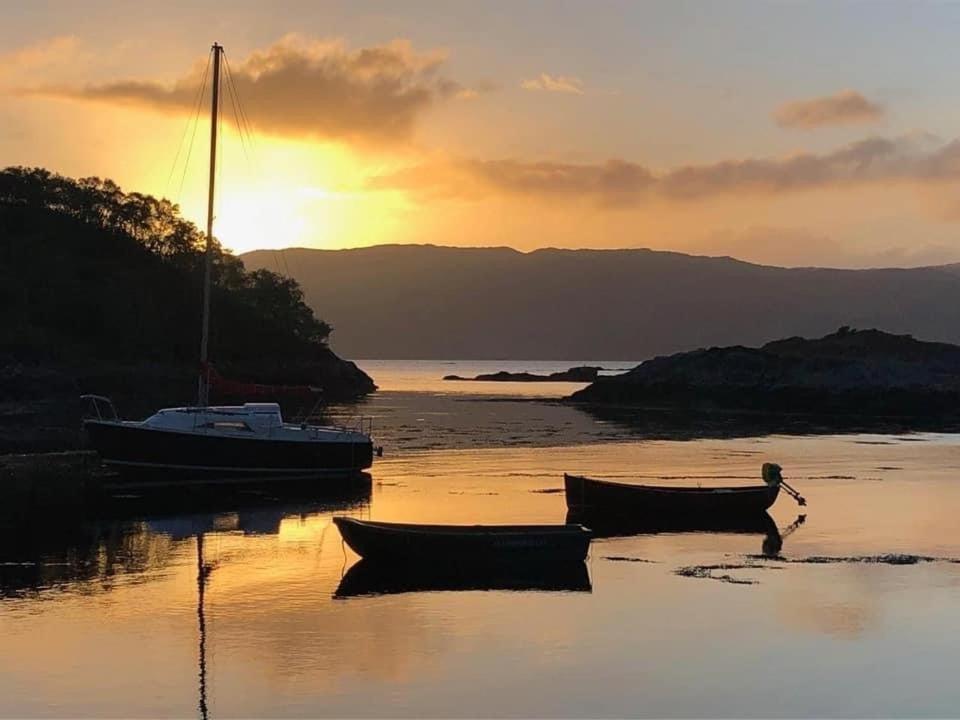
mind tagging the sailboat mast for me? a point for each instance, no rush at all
(204, 386)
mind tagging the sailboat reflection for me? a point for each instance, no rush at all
(760, 524)
(203, 571)
(250, 519)
(131, 535)
(370, 578)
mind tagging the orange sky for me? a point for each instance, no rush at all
(765, 132)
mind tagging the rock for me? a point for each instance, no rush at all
(865, 372)
(582, 374)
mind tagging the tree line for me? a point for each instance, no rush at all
(90, 271)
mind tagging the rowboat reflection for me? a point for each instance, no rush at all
(372, 578)
(605, 526)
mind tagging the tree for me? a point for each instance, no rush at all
(86, 262)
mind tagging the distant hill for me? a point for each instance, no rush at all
(417, 301)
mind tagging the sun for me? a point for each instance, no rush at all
(256, 219)
(282, 193)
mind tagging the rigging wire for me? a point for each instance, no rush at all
(193, 136)
(242, 125)
(186, 128)
(234, 99)
(240, 115)
(245, 131)
(243, 122)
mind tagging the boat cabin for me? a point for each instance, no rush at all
(250, 417)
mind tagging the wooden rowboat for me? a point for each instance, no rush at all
(469, 544)
(595, 497)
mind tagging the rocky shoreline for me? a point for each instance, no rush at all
(581, 374)
(849, 372)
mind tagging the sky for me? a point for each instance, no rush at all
(787, 133)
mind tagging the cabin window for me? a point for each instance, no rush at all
(236, 425)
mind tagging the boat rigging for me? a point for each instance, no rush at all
(249, 441)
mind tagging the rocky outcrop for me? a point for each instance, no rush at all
(581, 374)
(865, 372)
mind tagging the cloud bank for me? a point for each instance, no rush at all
(874, 161)
(847, 107)
(302, 88)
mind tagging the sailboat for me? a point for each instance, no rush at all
(215, 442)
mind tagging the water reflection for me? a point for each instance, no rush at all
(203, 571)
(133, 536)
(274, 641)
(662, 424)
(370, 578)
(606, 526)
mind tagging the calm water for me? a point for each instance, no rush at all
(104, 617)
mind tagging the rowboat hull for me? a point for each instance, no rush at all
(369, 577)
(464, 544)
(588, 496)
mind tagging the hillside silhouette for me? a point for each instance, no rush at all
(421, 301)
(100, 292)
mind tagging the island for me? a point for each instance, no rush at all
(581, 374)
(848, 372)
(100, 293)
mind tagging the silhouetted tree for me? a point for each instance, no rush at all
(84, 265)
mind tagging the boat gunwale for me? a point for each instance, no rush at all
(667, 489)
(337, 435)
(463, 530)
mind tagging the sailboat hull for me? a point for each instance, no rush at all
(148, 454)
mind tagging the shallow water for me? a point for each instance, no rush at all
(102, 617)
(425, 376)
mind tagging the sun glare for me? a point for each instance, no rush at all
(265, 219)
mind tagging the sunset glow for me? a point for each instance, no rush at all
(381, 129)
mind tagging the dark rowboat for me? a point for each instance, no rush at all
(369, 577)
(589, 496)
(466, 544)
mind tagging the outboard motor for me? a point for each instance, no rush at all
(773, 476)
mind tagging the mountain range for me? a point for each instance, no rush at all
(436, 302)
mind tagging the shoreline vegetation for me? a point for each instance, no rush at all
(99, 293)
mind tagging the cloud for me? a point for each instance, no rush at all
(484, 87)
(912, 158)
(847, 107)
(60, 55)
(554, 83)
(302, 88)
(614, 180)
